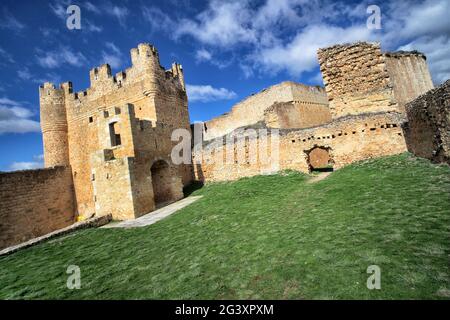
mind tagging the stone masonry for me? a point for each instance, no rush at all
(428, 129)
(114, 132)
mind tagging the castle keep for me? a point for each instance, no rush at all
(116, 136)
(108, 149)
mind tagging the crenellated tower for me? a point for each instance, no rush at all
(54, 124)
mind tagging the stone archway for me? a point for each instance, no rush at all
(162, 183)
(319, 159)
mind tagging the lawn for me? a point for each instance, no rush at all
(266, 237)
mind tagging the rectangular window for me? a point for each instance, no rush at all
(114, 134)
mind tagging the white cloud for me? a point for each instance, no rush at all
(437, 51)
(157, 19)
(65, 55)
(14, 118)
(90, 26)
(25, 75)
(120, 13)
(207, 93)
(37, 163)
(92, 7)
(300, 55)
(9, 22)
(283, 35)
(222, 24)
(112, 56)
(4, 55)
(203, 55)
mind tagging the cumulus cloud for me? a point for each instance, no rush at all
(14, 118)
(65, 55)
(222, 24)
(37, 163)
(283, 35)
(207, 93)
(300, 55)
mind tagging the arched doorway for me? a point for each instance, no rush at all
(319, 159)
(162, 183)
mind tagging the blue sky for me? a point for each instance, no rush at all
(228, 49)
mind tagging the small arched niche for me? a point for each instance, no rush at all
(319, 159)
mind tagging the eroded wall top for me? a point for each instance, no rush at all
(356, 79)
(251, 110)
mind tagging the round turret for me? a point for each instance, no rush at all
(54, 125)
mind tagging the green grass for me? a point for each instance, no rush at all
(267, 237)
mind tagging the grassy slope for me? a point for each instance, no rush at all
(268, 237)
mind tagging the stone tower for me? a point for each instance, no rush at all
(54, 125)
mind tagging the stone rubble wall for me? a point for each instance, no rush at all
(428, 129)
(356, 79)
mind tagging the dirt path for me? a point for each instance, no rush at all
(156, 215)
(319, 177)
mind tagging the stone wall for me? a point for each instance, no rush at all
(356, 79)
(428, 129)
(251, 110)
(159, 100)
(34, 203)
(409, 75)
(347, 139)
(122, 175)
(289, 115)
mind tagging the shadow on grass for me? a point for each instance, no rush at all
(191, 188)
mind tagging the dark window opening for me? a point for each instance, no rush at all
(91, 119)
(114, 134)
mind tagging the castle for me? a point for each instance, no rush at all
(108, 149)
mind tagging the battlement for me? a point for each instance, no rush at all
(144, 52)
(145, 64)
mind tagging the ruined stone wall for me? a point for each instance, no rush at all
(34, 203)
(428, 129)
(409, 75)
(288, 115)
(348, 139)
(251, 110)
(158, 97)
(356, 79)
